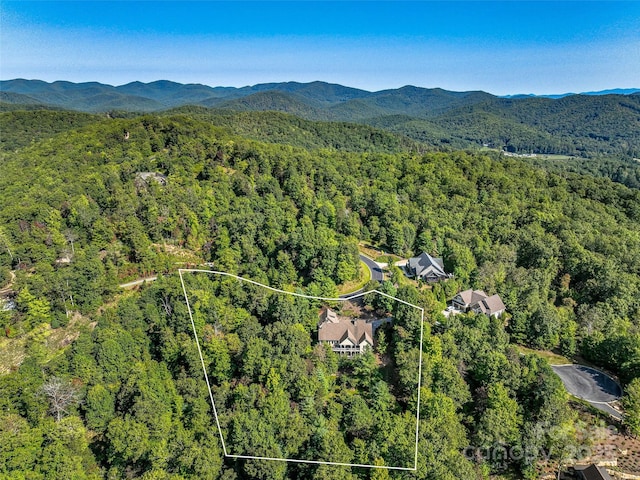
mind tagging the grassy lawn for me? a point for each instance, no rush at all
(369, 250)
(552, 358)
(355, 285)
(377, 254)
(559, 158)
(388, 258)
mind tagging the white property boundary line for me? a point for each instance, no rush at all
(206, 377)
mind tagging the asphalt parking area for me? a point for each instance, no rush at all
(588, 383)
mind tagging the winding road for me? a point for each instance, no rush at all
(139, 281)
(376, 274)
(374, 268)
(376, 271)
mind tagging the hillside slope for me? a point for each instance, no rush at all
(283, 128)
(21, 128)
(78, 217)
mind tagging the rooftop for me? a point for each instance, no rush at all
(331, 327)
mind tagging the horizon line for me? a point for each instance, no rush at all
(588, 92)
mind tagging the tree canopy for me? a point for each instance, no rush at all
(94, 202)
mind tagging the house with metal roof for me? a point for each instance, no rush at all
(479, 302)
(428, 268)
(346, 336)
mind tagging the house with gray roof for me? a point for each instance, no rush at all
(346, 336)
(591, 472)
(428, 268)
(479, 302)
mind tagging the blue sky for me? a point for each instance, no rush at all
(501, 47)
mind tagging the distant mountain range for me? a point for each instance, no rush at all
(162, 94)
(614, 91)
(606, 122)
(318, 99)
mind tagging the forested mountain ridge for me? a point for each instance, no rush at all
(284, 128)
(169, 94)
(21, 128)
(576, 125)
(16, 98)
(612, 91)
(413, 101)
(563, 251)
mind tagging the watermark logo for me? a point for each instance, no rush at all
(565, 445)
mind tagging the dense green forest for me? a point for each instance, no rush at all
(124, 397)
(21, 128)
(278, 127)
(314, 404)
(593, 134)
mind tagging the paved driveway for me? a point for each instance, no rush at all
(376, 271)
(376, 274)
(589, 384)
